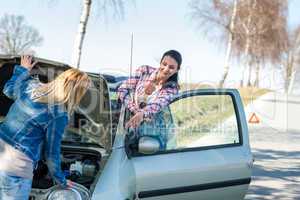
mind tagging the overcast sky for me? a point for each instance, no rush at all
(157, 25)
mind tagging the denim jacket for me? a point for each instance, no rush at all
(29, 125)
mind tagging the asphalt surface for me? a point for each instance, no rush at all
(276, 173)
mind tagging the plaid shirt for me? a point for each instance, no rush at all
(135, 86)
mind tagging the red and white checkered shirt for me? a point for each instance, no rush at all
(135, 86)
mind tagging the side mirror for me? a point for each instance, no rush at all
(148, 145)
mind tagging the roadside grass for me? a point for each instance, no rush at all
(249, 94)
(196, 117)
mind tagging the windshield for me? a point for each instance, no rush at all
(91, 121)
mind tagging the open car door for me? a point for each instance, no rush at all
(207, 155)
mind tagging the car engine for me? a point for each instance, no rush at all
(81, 166)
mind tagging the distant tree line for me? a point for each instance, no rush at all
(255, 33)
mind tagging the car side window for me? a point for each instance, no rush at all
(204, 121)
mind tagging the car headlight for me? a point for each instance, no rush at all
(76, 192)
(65, 194)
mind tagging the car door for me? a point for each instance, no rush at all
(210, 158)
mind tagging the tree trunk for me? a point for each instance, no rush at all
(81, 33)
(243, 76)
(249, 76)
(291, 68)
(246, 62)
(229, 45)
(289, 73)
(257, 69)
(291, 83)
(251, 9)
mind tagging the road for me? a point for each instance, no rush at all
(276, 172)
(276, 150)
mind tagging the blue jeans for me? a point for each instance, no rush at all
(14, 187)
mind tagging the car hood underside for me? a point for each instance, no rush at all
(91, 122)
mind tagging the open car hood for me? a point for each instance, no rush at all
(91, 124)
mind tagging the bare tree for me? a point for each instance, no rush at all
(253, 29)
(217, 18)
(291, 59)
(86, 9)
(246, 20)
(271, 34)
(261, 27)
(117, 7)
(16, 36)
(229, 43)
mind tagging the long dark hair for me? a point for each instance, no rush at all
(177, 57)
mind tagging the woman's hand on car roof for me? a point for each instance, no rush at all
(27, 62)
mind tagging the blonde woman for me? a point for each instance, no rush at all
(37, 117)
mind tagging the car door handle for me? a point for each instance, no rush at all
(250, 163)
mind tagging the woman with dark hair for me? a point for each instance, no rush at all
(149, 91)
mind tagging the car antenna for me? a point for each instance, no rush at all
(131, 55)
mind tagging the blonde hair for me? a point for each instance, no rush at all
(68, 88)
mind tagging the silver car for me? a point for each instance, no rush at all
(206, 156)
